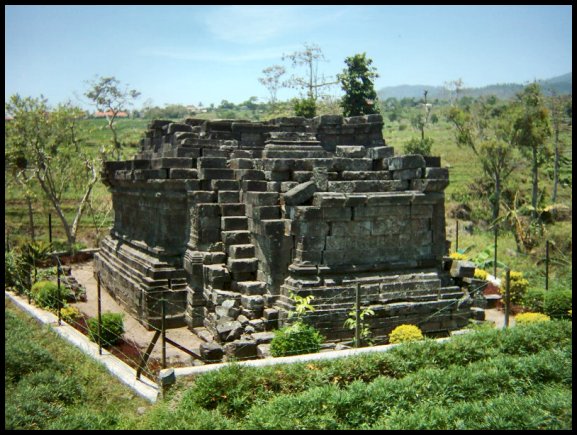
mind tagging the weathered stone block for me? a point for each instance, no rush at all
(300, 194)
(350, 151)
(240, 350)
(211, 352)
(410, 161)
(380, 152)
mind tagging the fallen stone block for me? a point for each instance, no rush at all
(300, 194)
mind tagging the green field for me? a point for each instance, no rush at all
(464, 172)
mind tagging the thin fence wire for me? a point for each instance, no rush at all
(265, 322)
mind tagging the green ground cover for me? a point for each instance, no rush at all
(518, 378)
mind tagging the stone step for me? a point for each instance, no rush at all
(242, 265)
(228, 196)
(233, 209)
(241, 251)
(235, 238)
(234, 223)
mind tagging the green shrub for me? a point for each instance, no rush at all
(16, 272)
(419, 146)
(112, 328)
(517, 287)
(295, 339)
(45, 294)
(70, 314)
(558, 303)
(405, 333)
(533, 300)
(525, 318)
(305, 107)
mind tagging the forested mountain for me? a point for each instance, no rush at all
(562, 85)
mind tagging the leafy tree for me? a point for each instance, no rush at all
(486, 129)
(558, 120)
(43, 142)
(111, 98)
(271, 80)
(531, 128)
(311, 83)
(357, 80)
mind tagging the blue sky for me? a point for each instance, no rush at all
(192, 54)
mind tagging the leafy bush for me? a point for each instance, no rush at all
(45, 294)
(112, 328)
(70, 314)
(558, 303)
(481, 274)
(295, 339)
(16, 272)
(517, 287)
(533, 300)
(419, 146)
(525, 318)
(305, 107)
(405, 333)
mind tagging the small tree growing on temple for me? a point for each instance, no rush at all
(357, 80)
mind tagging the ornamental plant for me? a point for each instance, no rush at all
(457, 256)
(481, 274)
(295, 339)
(517, 287)
(528, 318)
(45, 294)
(70, 314)
(405, 333)
(112, 328)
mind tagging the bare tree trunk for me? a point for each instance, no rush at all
(70, 237)
(535, 191)
(80, 209)
(497, 198)
(31, 218)
(556, 167)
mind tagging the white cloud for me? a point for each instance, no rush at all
(255, 24)
(270, 53)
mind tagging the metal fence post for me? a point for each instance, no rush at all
(457, 235)
(99, 315)
(547, 265)
(163, 330)
(59, 301)
(495, 252)
(507, 296)
(358, 316)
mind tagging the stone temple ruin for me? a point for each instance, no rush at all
(225, 219)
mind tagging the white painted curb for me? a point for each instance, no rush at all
(143, 387)
(193, 371)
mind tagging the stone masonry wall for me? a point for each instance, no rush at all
(226, 219)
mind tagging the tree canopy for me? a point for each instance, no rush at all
(357, 80)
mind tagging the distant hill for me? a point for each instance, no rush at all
(563, 85)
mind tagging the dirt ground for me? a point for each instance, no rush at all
(135, 332)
